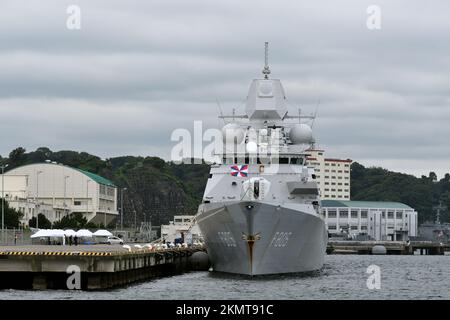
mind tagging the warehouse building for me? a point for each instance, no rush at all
(332, 175)
(56, 190)
(377, 219)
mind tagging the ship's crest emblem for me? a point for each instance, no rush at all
(239, 171)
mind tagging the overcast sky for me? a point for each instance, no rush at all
(137, 70)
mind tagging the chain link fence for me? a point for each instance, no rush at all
(15, 237)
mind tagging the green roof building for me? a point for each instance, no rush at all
(64, 189)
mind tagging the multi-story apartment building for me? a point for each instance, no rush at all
(332, 175)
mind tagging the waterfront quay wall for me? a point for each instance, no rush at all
(392, 247)
(34, 268)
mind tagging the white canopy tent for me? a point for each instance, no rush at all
(69, 233)
(50, 233)
(83, 233)
(102, 233)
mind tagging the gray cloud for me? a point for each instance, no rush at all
(138, 70)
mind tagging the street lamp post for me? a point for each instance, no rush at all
(36, 199)
(65, 191)
(121, 208)
(87, 197)
(3, 201)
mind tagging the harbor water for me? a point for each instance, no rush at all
(342, 277)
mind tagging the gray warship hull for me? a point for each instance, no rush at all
(257, 238)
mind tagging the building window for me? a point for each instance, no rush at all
(364, 214)
(331, 213)
(354, 214)
(77, 203)
(331, 227)
(363, 227)
(390, 215)
(399, 215)
(327, 183)
(343, 213)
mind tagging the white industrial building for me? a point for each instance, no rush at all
(181, 226)
(56, 190)
(380, 220)
(332, 175)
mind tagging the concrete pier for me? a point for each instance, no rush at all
(97, 266)
(392, 247)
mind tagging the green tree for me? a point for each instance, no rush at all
(17, 157)
(44, 223)
(12, 216)
(432, 176)
(72, 221)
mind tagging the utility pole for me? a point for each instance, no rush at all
(65, 191)
(87, 197)
(121, 207)
(36, 199)
(3, 201)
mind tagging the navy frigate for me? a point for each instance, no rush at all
(260, 212)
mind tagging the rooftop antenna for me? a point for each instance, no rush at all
(266, 70)
(315, 113)
(220, 109)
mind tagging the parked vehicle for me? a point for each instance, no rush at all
(115, 240)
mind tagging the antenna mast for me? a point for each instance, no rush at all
(266, 70)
